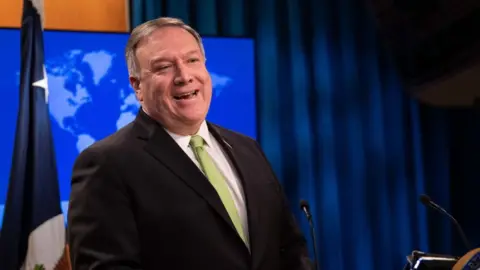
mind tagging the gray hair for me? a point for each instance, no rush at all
(144, 30)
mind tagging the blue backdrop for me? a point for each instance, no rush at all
(90, 97)
(336, 124)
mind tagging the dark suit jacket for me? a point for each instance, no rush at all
(138, 202)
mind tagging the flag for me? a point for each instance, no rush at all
(33, 229)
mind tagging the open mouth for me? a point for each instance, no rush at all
(188, 95)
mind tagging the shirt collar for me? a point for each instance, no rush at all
(184, 141)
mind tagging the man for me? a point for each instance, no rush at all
(170, 190)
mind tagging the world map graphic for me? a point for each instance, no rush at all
(90, 97)
(74, 82)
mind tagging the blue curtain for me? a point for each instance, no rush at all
(336, 125)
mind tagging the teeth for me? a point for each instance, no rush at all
(186, 95)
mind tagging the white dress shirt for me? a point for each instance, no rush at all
(223, 164)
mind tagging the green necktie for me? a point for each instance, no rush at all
(217, 180)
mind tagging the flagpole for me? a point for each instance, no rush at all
(33, 230)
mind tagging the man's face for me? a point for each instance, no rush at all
(174, 86)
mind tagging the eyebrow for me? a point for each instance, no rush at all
(158, 59)
(195, 51)
(163, 58)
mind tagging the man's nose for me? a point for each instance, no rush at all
(183, 76)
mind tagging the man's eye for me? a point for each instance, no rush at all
(163, 67)
(193, 60)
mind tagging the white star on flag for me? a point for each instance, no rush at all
(43, 83)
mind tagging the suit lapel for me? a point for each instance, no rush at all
(163, 148)
(241, 160)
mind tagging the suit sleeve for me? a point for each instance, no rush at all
(101, 227)
(294, 252)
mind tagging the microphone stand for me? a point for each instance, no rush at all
(312, 232)
(306, 209)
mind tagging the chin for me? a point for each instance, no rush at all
(193, 113)
(193, 117)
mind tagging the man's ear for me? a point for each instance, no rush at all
(135, 83)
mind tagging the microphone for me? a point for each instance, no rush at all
(428, 202)
(306, 210)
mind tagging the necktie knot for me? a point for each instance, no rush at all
(197, 141)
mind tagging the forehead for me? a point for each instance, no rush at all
(167, 41)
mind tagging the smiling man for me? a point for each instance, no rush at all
(171, 190)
